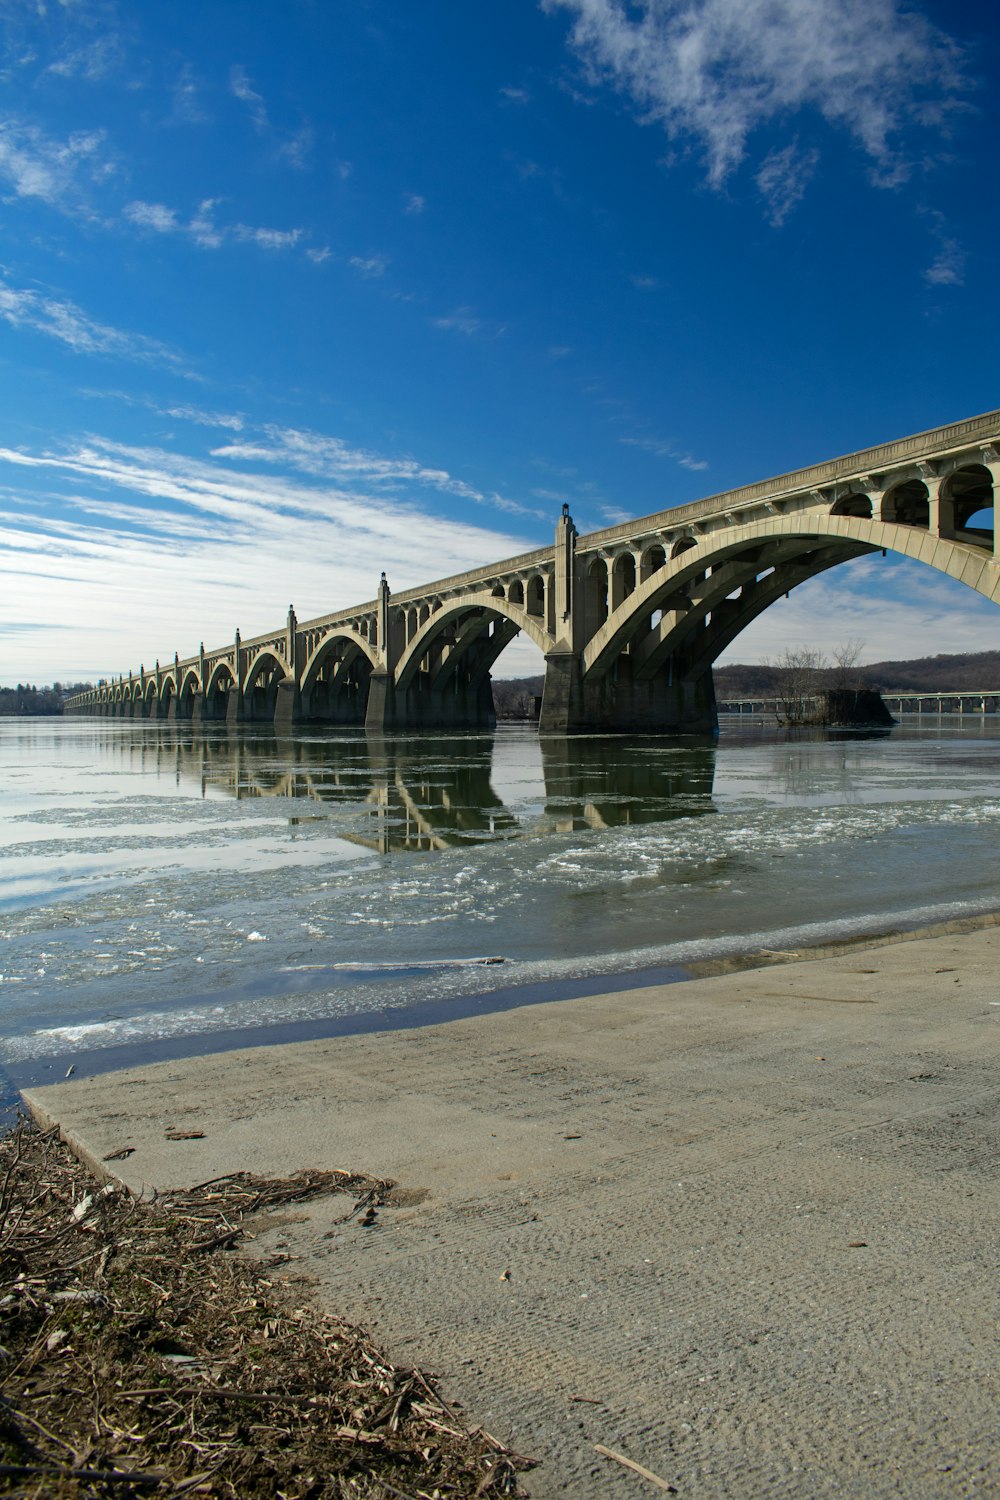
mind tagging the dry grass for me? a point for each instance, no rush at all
(142, 1357)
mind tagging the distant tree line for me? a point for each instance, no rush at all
(27, 700)
(960, 673)
(517, 697)
(796, 675)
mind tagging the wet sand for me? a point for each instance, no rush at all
(744, 1230)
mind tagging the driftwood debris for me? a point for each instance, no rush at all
(142, 1357)
(630, 1463)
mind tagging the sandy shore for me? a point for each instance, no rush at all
(743, 1230)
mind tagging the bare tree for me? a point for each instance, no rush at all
(798, 672)
(847, 665)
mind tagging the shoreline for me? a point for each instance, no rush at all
(94, 1062)
(722, 1227)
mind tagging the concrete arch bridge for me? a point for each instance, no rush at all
(629, 619)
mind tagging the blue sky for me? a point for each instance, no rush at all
(291, 293)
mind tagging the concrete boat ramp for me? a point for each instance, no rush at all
(744, 1231)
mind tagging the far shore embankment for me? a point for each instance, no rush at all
(741, 1230)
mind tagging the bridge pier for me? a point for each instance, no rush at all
(669, 703)
(457, 704)
(286, 706)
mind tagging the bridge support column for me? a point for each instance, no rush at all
(669, 703)
(380, 712)
(562, 694)
(286, 707)
(234, 707)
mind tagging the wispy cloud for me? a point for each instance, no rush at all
(186, 105)
(180, 412)
(783, 178)
(662, 449)
(268, 239)
(370, 265)
(154, 216)
(906, 609)
(713, 72)
(326, 457)
(292, 147)
(414, 203)
(242, 89)
(245, 543)
(62, 320)
(466, 321)
(948, 266)
(35, 165)
(203, 229)
(645, 283)
(92, 60)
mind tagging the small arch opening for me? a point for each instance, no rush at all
(967, 499)
(853, 505)
(907, 504)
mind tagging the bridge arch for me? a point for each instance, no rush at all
(189, 694)
(443, 677)
(488, 608)
(260, 686)
(336, 679)
(221, 680)
(713, 576)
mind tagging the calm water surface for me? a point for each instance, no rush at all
(156, 884)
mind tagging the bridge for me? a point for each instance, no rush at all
(977, 701)
(629, 619)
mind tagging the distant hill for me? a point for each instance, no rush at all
(514, 696)
(925, 674)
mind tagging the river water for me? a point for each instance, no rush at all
(158, 887)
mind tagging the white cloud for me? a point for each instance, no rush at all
(243, 90)
(268, 239)
(783, 178)
(714, 71)
(414, 204)
(186, 104)
(202, 226)
(900, 609)
(318, 257)
(948, 265)
(325, 457)
(203, 229)
(663, 449)
(370, 265)
(92, 61)
(36, 165)
(293, 147)
(70, 325)
(88, 585)
(645, 283)
(154, 216)
(464, 320)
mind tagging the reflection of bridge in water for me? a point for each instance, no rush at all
(420, 793)
(630, 619)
